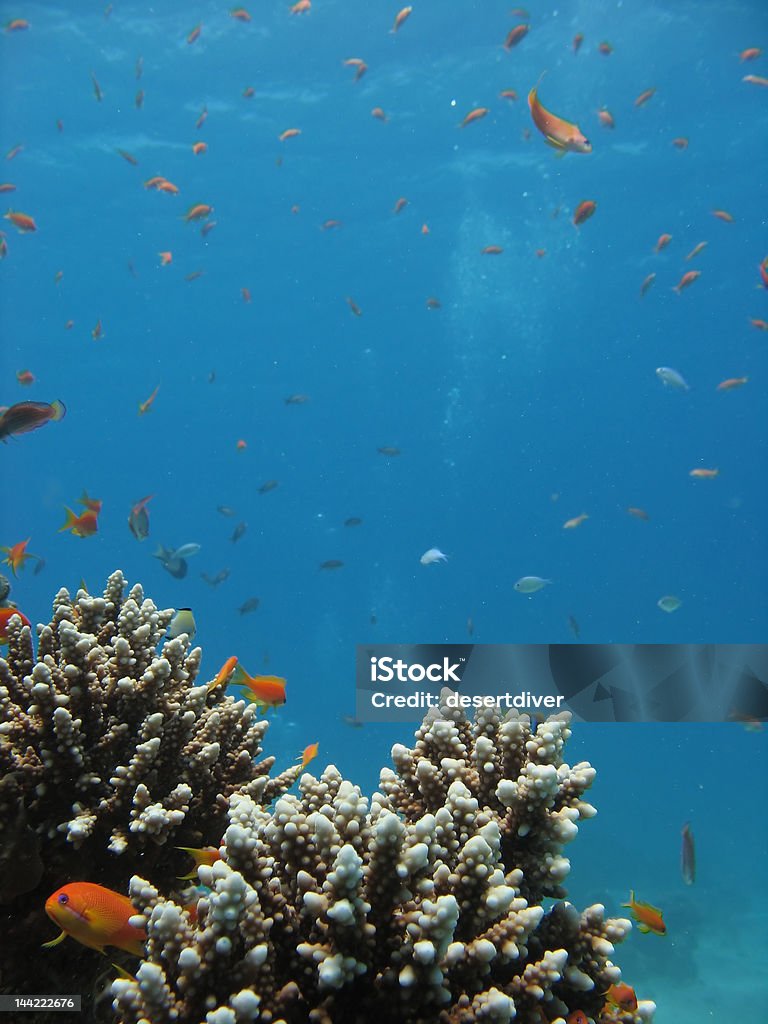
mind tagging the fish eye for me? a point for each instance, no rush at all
(63, 898)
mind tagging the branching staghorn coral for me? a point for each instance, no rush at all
(111, 741)
(422, 908)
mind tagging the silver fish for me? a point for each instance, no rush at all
(671, 378)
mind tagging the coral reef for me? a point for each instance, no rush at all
(423, 907)
(111, 754)
(439, 901)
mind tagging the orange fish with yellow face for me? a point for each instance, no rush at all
(649, 919)
(562, 135)
(84, 525)
(95, 916)
(264, 691)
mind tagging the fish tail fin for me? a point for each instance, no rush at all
(58, 410)
(70, 521)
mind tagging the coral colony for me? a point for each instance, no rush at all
(422, 905)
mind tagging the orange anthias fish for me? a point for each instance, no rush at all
(474, 115)
(584, 211)
(84, 525)
(265, 691)
(571, 524)
(649, 919)
(704, 474)
(308, 754)
(17, 555)
(146, 405)
(207, 855)
(22, 221)
(731, 383)
(686, 280)
(623, 996)
(94, 916)
(6, 614)
(562, 135)
(400, 18)
(23, 417)
(222, 676)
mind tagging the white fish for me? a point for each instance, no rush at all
(671, 378)
(669, 603)
(530, 584)
(432, 556)
(186, 551)
(182, 622)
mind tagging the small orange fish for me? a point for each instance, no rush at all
(167, 186)
(577, 1017)
(686, 280)
(491, 250)
(623, 996)
(638, 513)
(240, 14)
(433, 303)
(139, 99)
(508, 94)
(400, 205)
(194, 35)
(165, 258)
(330, 225)
(751, 53)
(662, 242)
(540, 253)
(516, 35)
(84, 525)
(584, 211)
(308, 754)
(97, 331)
(731, 383)
(649, 918)
(17, 555)
(94, 916)
(17, 25)
(578, 39)
(680, 142)
(207, 855)
(763, 268)
(425, 229)
(354, 306)
(14, 152)
(400, 18)
(474, 115)
(198, 212)
(703, 474)
(557, 132)
(241, 445)
(571, 524)
(146, 405)
(249, 92)
(606, 118)
(605, 48)
(360, 66)
(246, 294)
(723, 215)
(643, 98)
(22, 221)
(25, 377)
(699, 247)
(264, 691)
(153, 182)
(379, 114)
(289, 133)
(755, 80)
(761, 325)
(301, 7)
(222, 676)
(199, 147)
(6, 614)
(92, 504)
(7, 187)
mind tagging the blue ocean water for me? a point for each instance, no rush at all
(527, 398)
